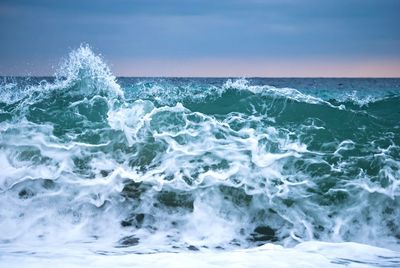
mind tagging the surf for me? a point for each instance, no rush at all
(171, 165)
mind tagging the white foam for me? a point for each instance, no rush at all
(305, 255)
(198, 181)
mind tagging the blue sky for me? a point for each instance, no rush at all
(206, 38)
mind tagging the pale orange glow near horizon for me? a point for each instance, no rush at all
(256, 68)
(207, 67)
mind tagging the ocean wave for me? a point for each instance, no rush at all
(153, 165)
(82, 74)
(307, 255)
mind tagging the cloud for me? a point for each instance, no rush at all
(45, 30)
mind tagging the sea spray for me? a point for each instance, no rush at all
(196, 164)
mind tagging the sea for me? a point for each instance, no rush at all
(105, 171)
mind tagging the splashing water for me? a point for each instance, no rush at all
(209, 165)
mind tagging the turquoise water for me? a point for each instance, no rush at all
(192, 164)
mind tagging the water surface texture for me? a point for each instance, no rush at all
(171, 172)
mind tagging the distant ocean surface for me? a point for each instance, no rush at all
(197, 172)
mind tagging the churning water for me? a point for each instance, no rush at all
(183, 172)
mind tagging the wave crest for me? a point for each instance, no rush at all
(87, 70)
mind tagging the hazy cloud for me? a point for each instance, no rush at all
(40, 32)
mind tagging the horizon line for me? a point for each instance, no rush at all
(226, 77)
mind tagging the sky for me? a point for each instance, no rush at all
(265, 38)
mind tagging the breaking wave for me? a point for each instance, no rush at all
(172, 164)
